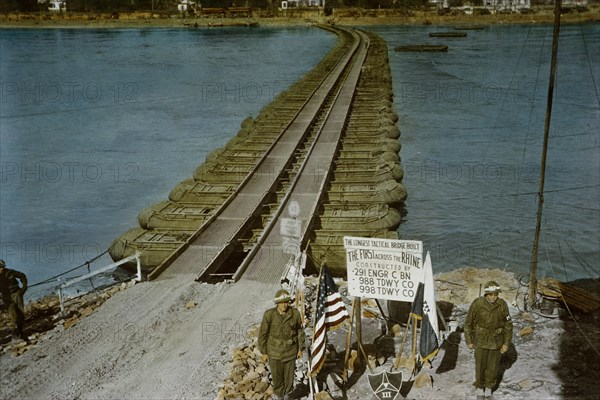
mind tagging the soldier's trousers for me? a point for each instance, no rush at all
(486, 367)
(282, 373)
(16, 314)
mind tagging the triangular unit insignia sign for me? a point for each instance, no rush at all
(386, 385)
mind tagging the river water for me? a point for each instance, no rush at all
(98, 124)
(473, 120)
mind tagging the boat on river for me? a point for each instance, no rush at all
(329, 245)
(172, 215)
(422, 48)
(364, 216)
(364, 143)
(451, 34)
(470, 27)
(373, 172)
(388, 192)
(378, 154)
(154, 245)
(221, 172)
(193, 191)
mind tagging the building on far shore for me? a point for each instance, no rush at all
(489, 6)
(55, 5)
(506, 5)
(303, 3)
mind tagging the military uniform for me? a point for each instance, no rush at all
(281, 337)
(12, 296)
(488, 327)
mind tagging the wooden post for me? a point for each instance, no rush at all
(302, 309)
(359, 323)
(414, 340)
(385, 319)
(348, 342)
(362, 350)
(540, 194)
(359, 333)
(401, 350)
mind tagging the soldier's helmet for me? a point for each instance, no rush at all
(2, 264)
(282, 296)
(491, 287)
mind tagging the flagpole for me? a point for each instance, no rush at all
(330, 314)
(314, 387)
(312, 384)
(317, 298)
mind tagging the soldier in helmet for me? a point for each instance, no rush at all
(281, 341)
(12, 296)
(488, 330)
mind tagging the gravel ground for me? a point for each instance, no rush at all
(174, 340)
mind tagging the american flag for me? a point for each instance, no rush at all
(331, 313)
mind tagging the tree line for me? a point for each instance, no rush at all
(170, 6)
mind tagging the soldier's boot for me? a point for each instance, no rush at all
(16, 335)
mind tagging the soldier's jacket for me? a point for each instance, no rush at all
(281, 336)
(488, 325)
(10, 285)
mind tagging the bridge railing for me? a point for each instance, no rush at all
(112, 266)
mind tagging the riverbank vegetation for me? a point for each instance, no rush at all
(350, 16)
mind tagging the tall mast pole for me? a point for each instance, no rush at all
(533, 268)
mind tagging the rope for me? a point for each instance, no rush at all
(562, 258)
(537, 79)
(587, 54)
(579, 258)
(53, 278)
(445, 199)
(512, 79)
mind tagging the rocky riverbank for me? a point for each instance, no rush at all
(45, 318)
(552, 356)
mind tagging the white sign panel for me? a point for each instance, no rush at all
(294, 209)
(383, 268)
(291, 246)
(290, 227)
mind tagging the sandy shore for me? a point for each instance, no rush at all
(418, 18)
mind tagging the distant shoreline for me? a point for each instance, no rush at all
(57, 21)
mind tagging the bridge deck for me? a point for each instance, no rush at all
(215, 241)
